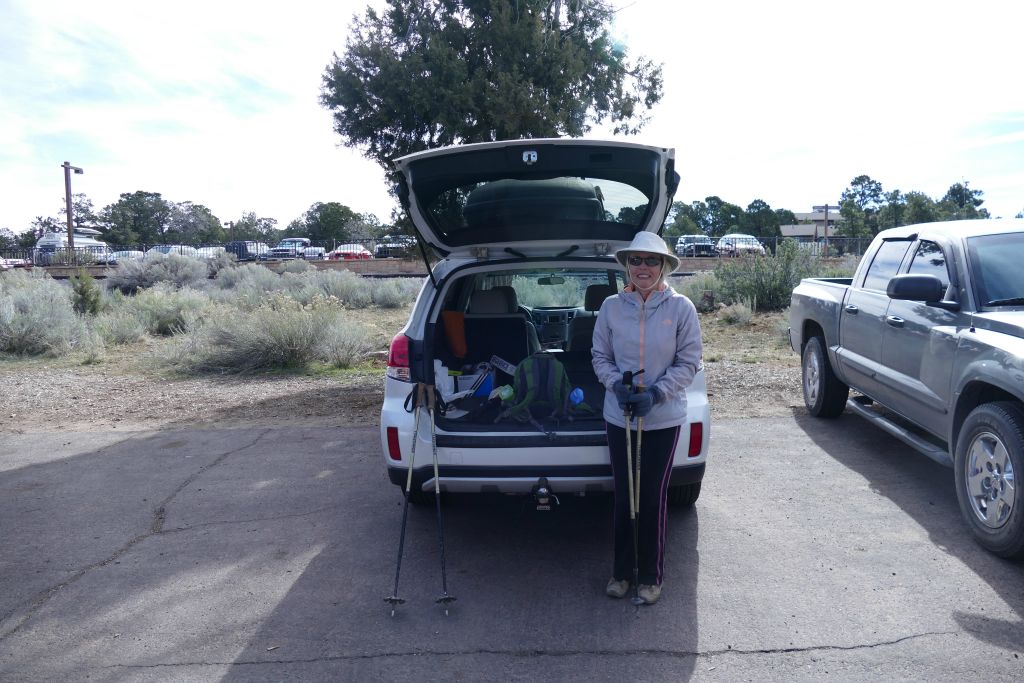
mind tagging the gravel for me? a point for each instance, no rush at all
(40, 397)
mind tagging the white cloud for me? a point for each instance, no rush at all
(217, 103)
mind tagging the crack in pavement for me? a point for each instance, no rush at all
(228, 522)
(155, 528)
(675, 654)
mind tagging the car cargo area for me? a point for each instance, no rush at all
(491, 322)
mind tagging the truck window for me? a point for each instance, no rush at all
(885, 264)
(929, 260)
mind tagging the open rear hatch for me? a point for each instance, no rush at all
(543, 197)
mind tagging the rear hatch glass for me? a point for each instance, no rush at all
(542, 193)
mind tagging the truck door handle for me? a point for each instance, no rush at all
(894, 320)
(850, 308)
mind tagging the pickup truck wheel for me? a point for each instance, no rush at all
(989, 456)
(685, 495)
(824, 394)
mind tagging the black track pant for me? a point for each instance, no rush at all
(655, 468)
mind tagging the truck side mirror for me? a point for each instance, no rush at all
(926, 288)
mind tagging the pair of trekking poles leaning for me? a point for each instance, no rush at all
(424, 398)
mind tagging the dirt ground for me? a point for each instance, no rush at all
(750, 372)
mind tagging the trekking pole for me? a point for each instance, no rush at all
(639, 439)
(627, 413)
(393, 599)
(445, 598)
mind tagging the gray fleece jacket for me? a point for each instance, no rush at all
(669, 355)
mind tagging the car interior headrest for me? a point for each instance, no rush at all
(488, 302)
(596, 294)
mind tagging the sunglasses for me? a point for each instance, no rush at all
(651, 261)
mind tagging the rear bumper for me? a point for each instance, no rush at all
(521, 480)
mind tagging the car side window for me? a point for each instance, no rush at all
(885, 264)
(929, 260)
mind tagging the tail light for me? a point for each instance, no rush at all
(398, 358)
(696, 438)
(394, 452)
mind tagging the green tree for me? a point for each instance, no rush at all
(859, 206)
(8, 240)
(890, 215)
(920, 208)
(136, 218)
(961, 202)
(190, 223)
(722, 216)
(324, 222)
(785, 217)
(421, 75)
(256, 228)
(678, 222)
(83, 215)
(759, 220)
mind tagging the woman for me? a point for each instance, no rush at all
(648, 327)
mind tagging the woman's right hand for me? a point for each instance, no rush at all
(622, 394)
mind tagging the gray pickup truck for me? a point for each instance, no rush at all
(929, 333)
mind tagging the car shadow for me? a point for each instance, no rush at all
(925, 491)
(530, 596)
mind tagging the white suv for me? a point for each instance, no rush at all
(526, 230)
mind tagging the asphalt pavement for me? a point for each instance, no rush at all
(818, 550)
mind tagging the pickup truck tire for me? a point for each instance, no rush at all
(988, 465)
(824, 394)
(685, 495)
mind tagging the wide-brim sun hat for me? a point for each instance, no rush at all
(649, 243)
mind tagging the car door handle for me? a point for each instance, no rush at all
(850, 308)
(894, 320)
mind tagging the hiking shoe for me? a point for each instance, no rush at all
(617, 589)
(649, 594)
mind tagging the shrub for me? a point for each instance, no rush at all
(131, 275)
(163, 310)
(532, 293)
(296, 266)
(344, 345)
(352, 290)
(388, 294)
(119, 326)
(736, 314)
(221, 261)
(766, 281)
(37, 318)
(86, 295)
(702, 290)
(244, 341)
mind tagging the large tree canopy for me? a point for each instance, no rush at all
(440, 72)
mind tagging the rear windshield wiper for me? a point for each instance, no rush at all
(1012, 301)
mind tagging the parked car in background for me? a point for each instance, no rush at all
(247, 250)
(8, 263)
(349, 252)
(295, 248)
(52, 248)
(738, 244)
(168, 249)
(695, 245)
(210, 252)
(395, 246)
(127, 255)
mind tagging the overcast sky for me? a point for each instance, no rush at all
(217, 102)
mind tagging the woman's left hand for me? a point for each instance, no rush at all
(642, 402)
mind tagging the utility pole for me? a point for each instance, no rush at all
(68, 168)
(825, 208)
